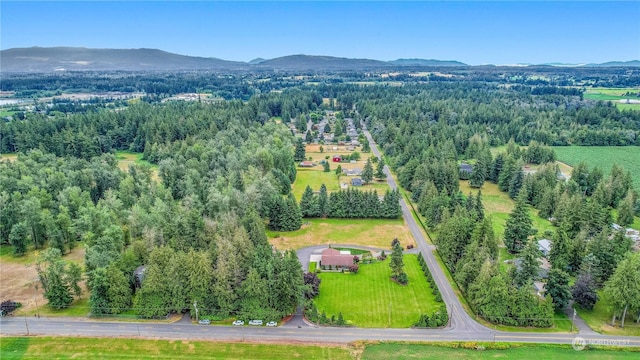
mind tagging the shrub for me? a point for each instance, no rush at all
(402, 278)
(354, 268)
(395, 242)
(9, 306)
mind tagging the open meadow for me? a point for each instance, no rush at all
(371, 299)
(615, 95)
(17, 348)
(366, 232)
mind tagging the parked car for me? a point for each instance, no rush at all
(238, 322)
(204, 322)
(272, 323)
(255, 322)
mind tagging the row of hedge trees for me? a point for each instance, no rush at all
(440, 317)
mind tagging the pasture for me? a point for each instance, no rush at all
(390, 351)
(315, 176)
(603, 157)
(366, 232)
(371, 299)
(615, 95)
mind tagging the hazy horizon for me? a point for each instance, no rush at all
(471, 32)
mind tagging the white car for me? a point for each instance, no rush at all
(204, 322)
(255, 322)
(238, 322)
(272, 323)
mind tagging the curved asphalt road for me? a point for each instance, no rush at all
(461, 328)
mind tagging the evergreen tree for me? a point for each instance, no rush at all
(299, 153)
(530, 263)
(626, 209)
(518, 226)
(380, 170)
(397, 264)
(479, 206)
(338, 171)
(292, 216)
(477, 178)
(323, 202)
(558, 288)
(308, 205)
(326, 167)
(516, 183)
(308, 137)
(367, 173)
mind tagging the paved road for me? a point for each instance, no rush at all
(460, 320)
(83, 327)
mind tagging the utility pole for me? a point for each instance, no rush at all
(195, 306)
(26, 324)
(573, 320)
(35, 299)
(389, 314)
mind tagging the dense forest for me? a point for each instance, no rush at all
(200, 232)
(226, 171)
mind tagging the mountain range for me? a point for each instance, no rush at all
(49, 59)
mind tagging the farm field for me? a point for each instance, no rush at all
(371, 299)
(388, 351)
(89, 348)
(367, 232)
(614, 95)
(604, 157)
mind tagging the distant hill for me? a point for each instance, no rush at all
(313, 62)
(39, 59)
(257, 61)
(426, 62)
(633, 63)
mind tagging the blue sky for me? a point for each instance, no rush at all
(498, 32)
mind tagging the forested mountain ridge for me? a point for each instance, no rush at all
(50, 59)
(37, 59)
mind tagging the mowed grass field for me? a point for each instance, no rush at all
(368, 232)
(14, 348)
(614, 95)
(371, 299)
(9, 157)
(499, 205)
(390, 351)
(604, 157)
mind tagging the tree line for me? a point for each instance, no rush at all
(350, 203)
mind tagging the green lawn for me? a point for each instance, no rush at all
(599, 319)
(89, 348)
(604, 157)
(371, 299)
(469, 351)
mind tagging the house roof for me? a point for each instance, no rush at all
(356, 181)
(544, 245)
(332, 257)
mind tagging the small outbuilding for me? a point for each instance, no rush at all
(356, 182)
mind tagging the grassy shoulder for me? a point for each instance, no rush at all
(366, 232)
(126, 158)
(90, 348)
(599, 319)
(473, 350)
(371, 299)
